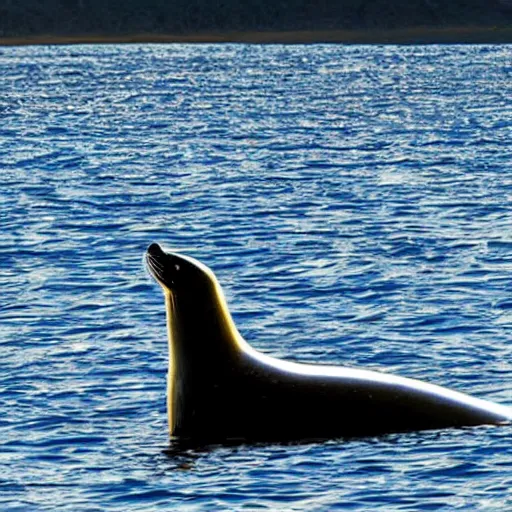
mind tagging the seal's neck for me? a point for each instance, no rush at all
(200, 327)
(204, 346)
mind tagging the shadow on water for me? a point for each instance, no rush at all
(182, 454)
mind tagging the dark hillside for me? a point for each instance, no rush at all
(121, 18)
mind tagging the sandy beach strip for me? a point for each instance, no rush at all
(418, 35)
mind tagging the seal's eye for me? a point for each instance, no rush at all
(176, 266)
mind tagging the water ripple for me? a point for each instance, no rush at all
(354, 202)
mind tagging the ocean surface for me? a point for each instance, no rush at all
(355, 203)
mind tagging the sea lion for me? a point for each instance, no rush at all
(220, 389)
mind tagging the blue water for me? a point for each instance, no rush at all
(355, 203)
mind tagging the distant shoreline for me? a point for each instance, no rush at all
(406, 36)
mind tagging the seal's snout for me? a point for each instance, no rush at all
(155, 259)
(155, 250)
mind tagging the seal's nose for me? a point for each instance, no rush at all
(155, 260)
(155, 250)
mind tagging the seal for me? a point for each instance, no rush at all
(220, 389)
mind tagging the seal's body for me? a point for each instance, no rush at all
(222, 389)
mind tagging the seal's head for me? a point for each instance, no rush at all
(182, 277)
(177, 273)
